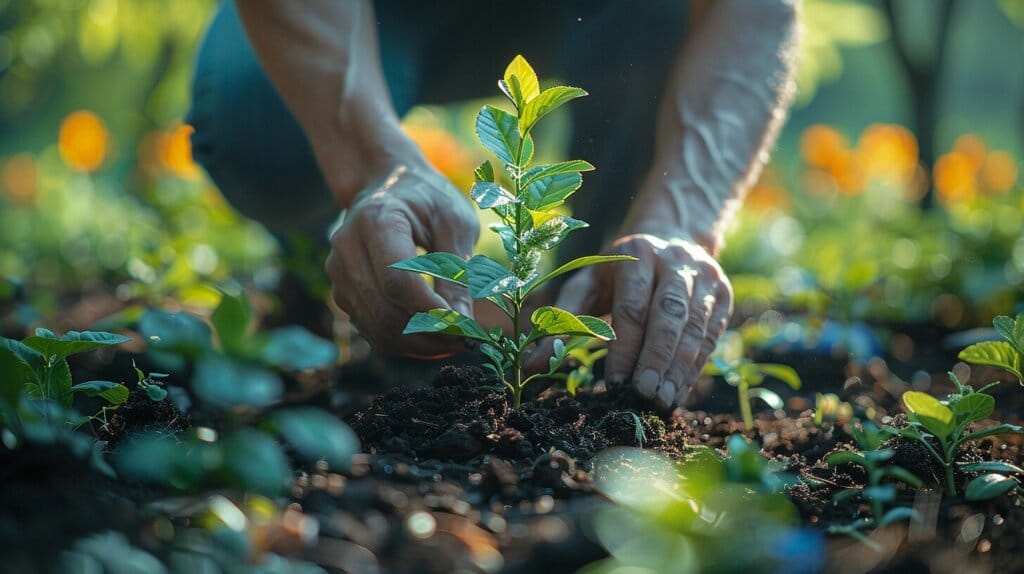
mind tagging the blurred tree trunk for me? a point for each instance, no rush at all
(924, 76)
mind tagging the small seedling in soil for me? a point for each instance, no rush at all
(747, 377)
(585, 353)
(942, 427)
(1007, 355)
(151, 384)
(530, 225)
(872, 458)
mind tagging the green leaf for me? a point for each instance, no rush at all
(498, 132)
(574, 265)
(930, 413)
(1012, 330)
(545, 103)
(1000, 466)
(771, 398)
(231, 321)
(253, 461)
(484, 172)
(113, 393)
(551, 233)
(898, 514)
(155, 393)
(549, 321)
(179, 333)
(784, 373)
(448, 322)
(487, 277)
(999, 354)
(14, 373)
(73, 342)
(297, 349)
(33, 361)
(577, 379)
(550, 192)
(992, 431)
(845, 457)
(228, 383)
(56, 382)
(446, 266)
(989, 486)
(316, 434)
(564, 167)
(902, 474)
(508, 238)
(973, 407)
(526, 80)
(489, 195)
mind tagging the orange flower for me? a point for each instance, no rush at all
(83, 141)
(999, 173)
(767, 195)
(973, 150)
(20, 179)
(445, 152)
(176, 152)
(819, 145)
(888, 152)
(954, 178)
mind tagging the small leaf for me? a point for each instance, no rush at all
(231, 321)
(974, 407)
(113, 393)
(898, 514)
(155, 393)
(772, 399)
(315, 435)
(498, 132)
(879, 455)
(577, 379)
(72, 342)
(545, 103)
(550, 192)
(297, 349)
(253, 461)
(178, 333)
(549, 321)
(227, 383)
(989, 486)
(57, 383)
(1012, 330)
(446, 266)
(487, 277)
(574, 265)
(999, 466)
(784, 373)
(883, 493)
(998, 354)
(932, 414)
(551, 233)
(529, 86)
(14, 374)
(448, 322)
(543, 171)
(489, 195)
(903, 475)
(992, 431)
(33, 362)
(845, 457)
(484, 172)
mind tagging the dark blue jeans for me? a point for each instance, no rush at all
(618, 50)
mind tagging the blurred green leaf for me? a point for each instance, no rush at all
(227, 383)
(253, 461)
(113, 393)
(316, 434)
(231, 320)
(72, 342)
(178, 333)
(297, 349)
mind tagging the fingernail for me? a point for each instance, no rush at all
(681, 395)
(616, 379)
(647, 383)
(666, 393)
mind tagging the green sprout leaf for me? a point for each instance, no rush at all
(499, 132)
(549, 192)
(992, 431)
(783, 373)
(771, 398)
(489, 195)
(999, 354)
(930, 413)
(973, 407)
(845, 457)
(487, 277)
(446, 266)
(546, 102)
(71, 343)
(989, 486)
(1000, 466)
(527, 86)
(550, 321)
(113, 393)
(448, 322)
(315, 435)
(484, 172)
(1012, 330)
(231, 320)
(564, 167)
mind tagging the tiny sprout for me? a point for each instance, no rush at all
(747, 377)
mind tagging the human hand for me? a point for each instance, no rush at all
(413, 207)
(668, 309)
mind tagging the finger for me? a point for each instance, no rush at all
(666, 319)
(694, 334)
(458, 237)
(632, 296)
(717, 324)
(393, 241)
(576, 296)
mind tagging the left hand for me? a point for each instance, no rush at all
(668, 310)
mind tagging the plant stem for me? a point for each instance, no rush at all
(748, 418)
(950, 482)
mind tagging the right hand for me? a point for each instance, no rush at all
(413, 206)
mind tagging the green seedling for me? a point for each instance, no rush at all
(584, 353)
(1007, 355)
(151, 384)
(526, 198)
(747, 377)
(35, 379)
(943, 426)
(872, 458)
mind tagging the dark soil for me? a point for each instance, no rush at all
(140, 414)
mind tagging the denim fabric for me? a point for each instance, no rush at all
(437, 52)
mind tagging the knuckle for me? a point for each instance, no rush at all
(631, 310)
(673, 305)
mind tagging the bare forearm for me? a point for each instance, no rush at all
(721, 112)
(322, 57)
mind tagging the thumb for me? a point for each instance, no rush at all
(576, 296)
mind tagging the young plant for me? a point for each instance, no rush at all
(1007, 355)
(747, 377)
(945, 424)
(35, 379)
(585, 353)
(530, 225)
(151, 384)
(872, 459)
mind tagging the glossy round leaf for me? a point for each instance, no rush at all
(989, 486)
(932, 414)
(297, 349)
(316, 434)
(227, 383)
